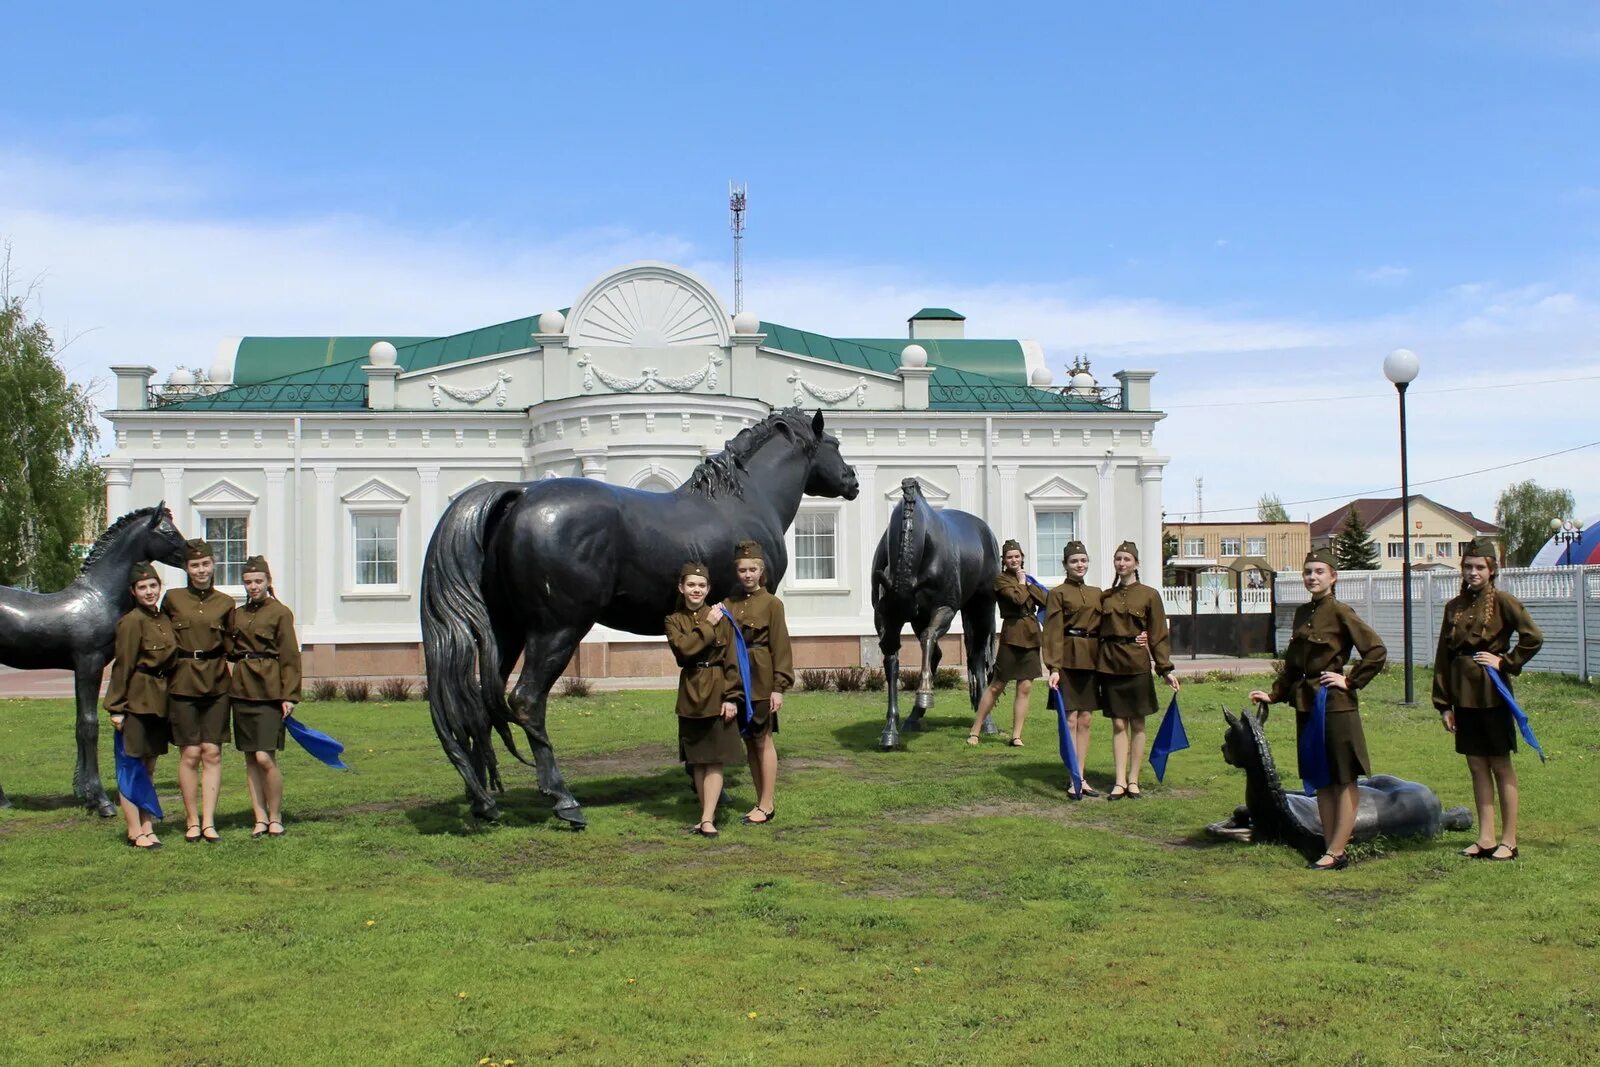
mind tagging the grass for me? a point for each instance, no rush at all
(938, 905)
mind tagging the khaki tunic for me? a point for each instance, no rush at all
(1460, 682)
(200, 623)
(1019, 604)
(760, 618)
(257, 632)
(1126, 612)
(1325, 630)
(703, 651)
(1076, 606)
(144, 640)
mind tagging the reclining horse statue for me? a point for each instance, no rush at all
(528, 568)
(1389, 806)
(76, 628)
(929, 565)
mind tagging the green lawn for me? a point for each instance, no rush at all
(940, 905)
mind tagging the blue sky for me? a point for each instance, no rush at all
(1258, 200)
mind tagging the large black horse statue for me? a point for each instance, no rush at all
(76, 628)
(929, 565)
(528, 568)
(1389, 806)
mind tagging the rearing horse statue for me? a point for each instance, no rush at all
(528, 568)
(928, 566)
(76, 629)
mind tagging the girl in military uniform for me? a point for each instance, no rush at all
(1325, 631)
(760, 618)
(1017, 659)
(136, 698)
(265, 688)
(701, 639)
(1476, 635)
(1071, 644)
(197, 701)
(1133, 637)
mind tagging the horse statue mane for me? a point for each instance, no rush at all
(97, 551)
(719, 474)
(1388, 806)
(904, 548)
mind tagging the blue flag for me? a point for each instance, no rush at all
(1039, 586)
(1169, 739)
(1523, 726)
(747, 714)
(133, 781)
(316, 742)
(1313, 746)
(1069, 751)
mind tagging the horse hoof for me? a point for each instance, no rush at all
(989, 727)
(889, 741)
(486, 813)
(572, 814)
(105, 809)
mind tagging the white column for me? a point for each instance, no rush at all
(968, 498)
(277, 519)
(328, 546)
(1008, 502)
(869, 513)
(183, 513)
(1106, 507)
(1150, 521)
(119, 482)
(428, 510)
(594, 462)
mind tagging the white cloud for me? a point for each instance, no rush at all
(1388, 274)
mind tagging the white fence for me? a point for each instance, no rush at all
(1180, 600)
(1564, 603)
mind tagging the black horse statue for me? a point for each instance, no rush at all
(529, 567)
(76, 628)
(929, 565)
(1389, 806)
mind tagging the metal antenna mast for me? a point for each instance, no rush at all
(736, 206)
(1200, 498)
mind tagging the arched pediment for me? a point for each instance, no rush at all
(648, 305)
(657, 479)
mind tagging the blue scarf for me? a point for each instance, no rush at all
(1523, 726)
(1169, 739)
(747, 714)
(1039, 586)
(133, 781)
(1069, 751)
(316, 742)
(1313, 746)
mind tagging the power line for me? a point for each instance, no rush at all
(1430, 481)
(1380, 396)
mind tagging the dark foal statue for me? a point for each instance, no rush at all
(529, 568)
(1389, 806)
(929, 565)
(75, 629)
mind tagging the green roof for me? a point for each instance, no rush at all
(938, 313)
(265, 359)
(1004, 360)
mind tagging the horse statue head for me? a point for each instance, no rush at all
(829, 475)
(139, 536)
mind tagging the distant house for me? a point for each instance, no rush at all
(1438, 533)
(1206, 549)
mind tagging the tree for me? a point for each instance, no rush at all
(1270, 509)
(1169, 552)
(1523, 513)
(51, 490)
(1354, 548)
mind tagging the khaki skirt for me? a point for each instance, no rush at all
(1347, 745)
(709, 740)
(258, 725)
(1080, 690)
(145, 735)
(1014, 664)
(1127, 696)
(198, 720)
(1485, 732)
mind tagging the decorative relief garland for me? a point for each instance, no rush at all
(496, 388)
(650, 379)
(828, 396)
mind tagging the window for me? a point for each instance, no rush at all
(1397, 550)
(377, 545)
(1051, 532)
(1231, 546)
(1419, 549)
(227, 536)
(816, 546)
(1255, 546)
(1444, 549)
(1194, 547)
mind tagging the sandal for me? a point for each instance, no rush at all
(1133, 791)
(700, 829)
(279, 832)
(1495, 853)
(1114, 795)
(1090, 791)
(260, 832)
(154, 844)
(1476, 851)
(767, 816)
(1340, 862)
(972, 739)
(189, 837)
(1016, 742)
(214, 838)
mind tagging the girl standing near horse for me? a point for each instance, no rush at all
(265, 687)
(136, 697)
(1325, 631)
(1071, 644)
(760, 618)
(1133, 637)
(701, 639)
(1017, 661)
(1476, 636)
(197, 699)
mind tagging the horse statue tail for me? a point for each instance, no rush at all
(456, 633)
(905, 541)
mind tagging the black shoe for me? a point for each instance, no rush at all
(1114, 795)
(769, 816)
(1340, 862)
(1494, 853)
(1131, 794)
(213, 839)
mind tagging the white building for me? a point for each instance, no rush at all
(334, 457)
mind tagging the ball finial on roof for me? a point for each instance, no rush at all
(181, 378)
(747, 322)
(382, 354)
(1042, 377)
(913, 356)
(552, 322)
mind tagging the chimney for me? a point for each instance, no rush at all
(937, 324)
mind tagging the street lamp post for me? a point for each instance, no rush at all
(1566, 532)
(1401, 367)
